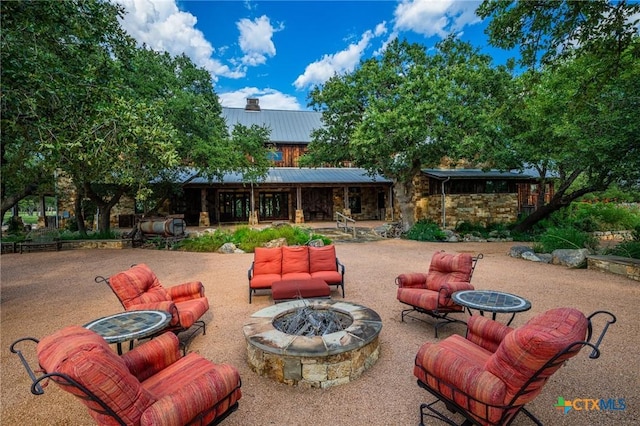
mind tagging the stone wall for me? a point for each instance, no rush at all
(483, 209)
(625, 266)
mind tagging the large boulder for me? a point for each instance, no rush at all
(570, 257)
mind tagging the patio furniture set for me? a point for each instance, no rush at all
(487, 376)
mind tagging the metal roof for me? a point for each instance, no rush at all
(295, 175)
(473, 174)
(293, 127)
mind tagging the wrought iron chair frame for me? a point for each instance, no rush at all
(511, 410)
(38, 389)
(177, 329)
(441, 312)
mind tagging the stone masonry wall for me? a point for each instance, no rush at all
(484, 209)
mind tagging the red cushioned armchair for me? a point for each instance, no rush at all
(149, 385)
(138, 288)
(491, 374)
(430, 293)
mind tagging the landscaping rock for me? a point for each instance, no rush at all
(529, 255)
(316, 243)
(518, 251)
(227, 248)
(569, 257)
(545, 257)
(276, 243)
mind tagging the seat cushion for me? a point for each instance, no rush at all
(193, 385)
(296, 276)
(526, 349)
(264, 280)
(322, 259)
(295, 259)
(190, 311)
(85, 357)
(426, 299)
(267, 261)
(139, 284)
(456, 362)
(330, 277)
(446, 267)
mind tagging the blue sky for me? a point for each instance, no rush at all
(278, 50)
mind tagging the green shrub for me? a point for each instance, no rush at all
(626, 249)
(595, 217)
(208, 242)
(247, 239)
(426, 230)
(564, 238)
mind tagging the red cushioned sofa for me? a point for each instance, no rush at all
(294, 263)
(490, 375)
(150, 385)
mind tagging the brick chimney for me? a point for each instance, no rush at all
(253, 104)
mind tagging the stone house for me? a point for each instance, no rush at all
(295, 194)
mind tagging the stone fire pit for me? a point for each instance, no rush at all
(313, 361)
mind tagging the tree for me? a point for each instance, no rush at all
(47, 52)
(406, 110)
(114, 118)
(575, 117)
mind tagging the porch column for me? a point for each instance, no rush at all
(204, 211)
(345, 209)
(299, 211)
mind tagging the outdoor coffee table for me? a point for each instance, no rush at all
(300, 289)
(129, 326)
(491, 301)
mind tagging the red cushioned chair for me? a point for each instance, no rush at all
(138, 288)
(149, 385)
(489, 376)
(430, 293)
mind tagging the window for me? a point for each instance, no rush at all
(274, 155)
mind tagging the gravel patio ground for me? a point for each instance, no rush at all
(42, 292)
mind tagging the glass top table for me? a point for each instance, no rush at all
(491, 301)
(129, 326)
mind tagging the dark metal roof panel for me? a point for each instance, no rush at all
(286, 126)
(473, 174)
(294, 175)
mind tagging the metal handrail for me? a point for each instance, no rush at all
(343, 221)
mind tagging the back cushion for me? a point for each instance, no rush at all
(85, 357)
(295, 259)
(267, 260)
(447, 267)
(526, 349)
(322, 259)
(138, 285)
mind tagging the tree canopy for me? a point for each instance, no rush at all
(407, 110)
(574, 116)
(79, 97)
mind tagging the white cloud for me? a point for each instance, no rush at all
(338, 63)
(256, 40)
(162, 26)
(435, 17)
(269, 99)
